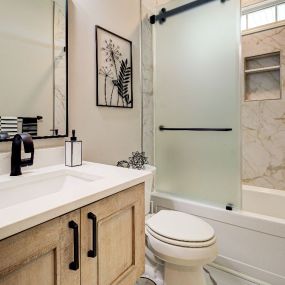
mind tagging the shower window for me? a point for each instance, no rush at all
(244, 22)
(262, 14)
(262, 17)
(281, 12)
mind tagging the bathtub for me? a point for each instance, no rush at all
(251, 243)
(263, 201)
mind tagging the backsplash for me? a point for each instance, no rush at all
(43, 157)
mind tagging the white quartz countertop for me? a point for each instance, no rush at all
(23, 213)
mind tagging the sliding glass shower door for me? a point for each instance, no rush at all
(197, 86)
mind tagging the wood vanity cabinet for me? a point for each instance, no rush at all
(99, 244)
(40, 255)
(119, 229)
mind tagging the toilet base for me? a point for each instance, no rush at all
(174, 275)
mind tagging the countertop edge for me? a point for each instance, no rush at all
(25, 224)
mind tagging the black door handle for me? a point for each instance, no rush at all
(92, 253)
(74, 265)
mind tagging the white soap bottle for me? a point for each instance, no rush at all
(73, 151)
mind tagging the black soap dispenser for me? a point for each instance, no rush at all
(73, 151)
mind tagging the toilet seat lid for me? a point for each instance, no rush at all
(180, 226)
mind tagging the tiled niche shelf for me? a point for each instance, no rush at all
(263, 77)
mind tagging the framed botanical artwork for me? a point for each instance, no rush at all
(114, 70)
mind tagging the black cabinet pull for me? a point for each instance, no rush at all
(92, 252)
(74, 265)
(162, 128)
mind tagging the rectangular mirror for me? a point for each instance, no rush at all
(33, 69)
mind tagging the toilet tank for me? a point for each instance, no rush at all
(149, 187)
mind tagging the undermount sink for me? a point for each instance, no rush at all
(25, 188)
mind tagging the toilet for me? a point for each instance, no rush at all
(183, 242)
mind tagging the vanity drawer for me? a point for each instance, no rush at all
(41, 255)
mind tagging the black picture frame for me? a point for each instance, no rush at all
(125, 102)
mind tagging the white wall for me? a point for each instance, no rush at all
(108, 134)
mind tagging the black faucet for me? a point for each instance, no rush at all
(16, 161)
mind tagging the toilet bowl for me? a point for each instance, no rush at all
(183, 242)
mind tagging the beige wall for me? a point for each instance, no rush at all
(151, 4)
(161, 2)
(6, 146)
(108, 134)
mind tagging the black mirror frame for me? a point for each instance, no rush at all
(66, 74)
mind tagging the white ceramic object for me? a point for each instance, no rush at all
(186, 253)
(149, 186)
(264, 201)
(180, 227)
(183, 242)
(28, 188)
(42, 194)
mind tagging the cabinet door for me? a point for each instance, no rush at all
(41, 255)
(119, 234)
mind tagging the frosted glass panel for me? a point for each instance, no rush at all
(197, 86)
(262, 17)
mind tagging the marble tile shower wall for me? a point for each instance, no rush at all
(147, 81)
(263, 122)
(161, 2)
(148, 8)
(249, 2)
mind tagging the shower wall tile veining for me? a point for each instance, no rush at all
(263, 120)
(147, 80)
(262, 77)
(148, 9)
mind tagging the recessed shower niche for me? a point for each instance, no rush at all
(262, 77)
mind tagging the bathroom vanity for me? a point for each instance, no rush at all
(84, 226)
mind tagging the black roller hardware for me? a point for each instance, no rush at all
(164, 14)
(92, 253)
(74, 265)
(229, 207)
